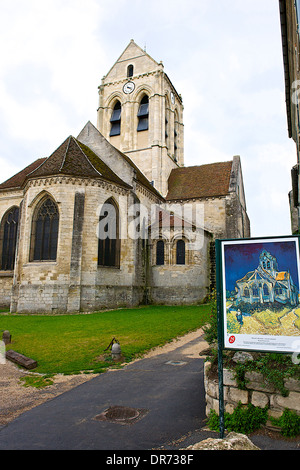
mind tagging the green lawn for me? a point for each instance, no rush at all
(73, 343)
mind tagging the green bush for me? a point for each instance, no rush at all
(243, 420)
(289, 422)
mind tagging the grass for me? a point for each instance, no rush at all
(69, 344)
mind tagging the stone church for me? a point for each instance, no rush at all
(113, 217)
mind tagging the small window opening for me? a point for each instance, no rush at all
(143, 114)
(180, 252)
(129, 71)
(116, 120)
(160, 253)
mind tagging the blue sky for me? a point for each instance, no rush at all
(223, 57)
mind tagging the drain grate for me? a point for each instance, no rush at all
(122, 415)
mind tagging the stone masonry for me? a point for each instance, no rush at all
(258, 392)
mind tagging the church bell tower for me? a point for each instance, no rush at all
(141, 114)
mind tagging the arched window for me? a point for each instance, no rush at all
(246, 292)
(130, 71)
(116, 120)
(255, 291)
(160, 252)
(266, 289)
(45, 231)
(180, 252)
(143, 114)
(9, 229)
(108, 234)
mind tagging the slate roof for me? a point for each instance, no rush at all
(209, 180)
(71, 158)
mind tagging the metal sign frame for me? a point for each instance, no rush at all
(245, 250)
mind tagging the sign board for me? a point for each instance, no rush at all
(259, 292)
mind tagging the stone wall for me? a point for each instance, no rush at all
(258, 392)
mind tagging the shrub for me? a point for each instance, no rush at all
(289, 422)
(243, 420)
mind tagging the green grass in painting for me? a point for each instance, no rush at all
(72, 343)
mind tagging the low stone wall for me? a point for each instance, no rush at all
(258, 392)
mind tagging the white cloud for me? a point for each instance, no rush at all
(224, 57)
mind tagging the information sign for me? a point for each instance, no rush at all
(259, 283)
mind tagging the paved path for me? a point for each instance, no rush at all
(168, 386)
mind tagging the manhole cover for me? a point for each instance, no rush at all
(176, 363)
(121, 415)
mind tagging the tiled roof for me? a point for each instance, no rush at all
(76, 159)
(71, 158)
(17, 180)
(282, 276)
(209, 180)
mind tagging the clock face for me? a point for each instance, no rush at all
(172, 97)
(128, 87)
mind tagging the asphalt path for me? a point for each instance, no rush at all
(167, 390)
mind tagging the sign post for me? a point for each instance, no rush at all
(220, 340)
(258, 291)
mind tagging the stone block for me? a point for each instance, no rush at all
(292, 384)
(256, 381)
(228, 378)
(292, 401)
(237, 395)
(259, 399)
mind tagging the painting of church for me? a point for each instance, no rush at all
(266, 284)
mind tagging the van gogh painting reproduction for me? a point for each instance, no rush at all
(261, 290)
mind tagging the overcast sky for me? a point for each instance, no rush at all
(224, 57)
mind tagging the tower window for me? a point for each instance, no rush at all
(129, 71)
(160, 253)
(45, 232)
(180, 252)
(9, 228)
(143, 114)
(116, 120)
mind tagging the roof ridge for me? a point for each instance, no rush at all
(64, 159)
(86, 157)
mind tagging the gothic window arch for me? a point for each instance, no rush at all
(115, 120)
(180, 252)
(143, 114)
(108, 235)
(8, 238)
(44, 235)
(160, 252)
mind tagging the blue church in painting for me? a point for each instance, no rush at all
(266, 284)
